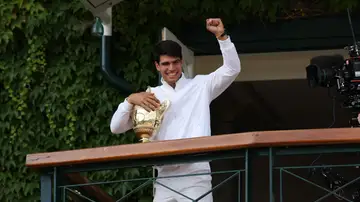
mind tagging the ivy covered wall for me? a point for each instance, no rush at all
(52, 94)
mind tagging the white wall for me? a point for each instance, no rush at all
(266, 66)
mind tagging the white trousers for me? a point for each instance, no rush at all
(192, 187)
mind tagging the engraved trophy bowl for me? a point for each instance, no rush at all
(146, 124)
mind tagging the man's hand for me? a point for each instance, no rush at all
(358, 118)
(215, 26)
(144, 99)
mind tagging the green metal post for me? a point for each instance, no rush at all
(271, 190)
(248, 176)
(281, 185)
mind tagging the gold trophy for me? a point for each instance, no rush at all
(146, 124)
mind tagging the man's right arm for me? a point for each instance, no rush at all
(121, 121)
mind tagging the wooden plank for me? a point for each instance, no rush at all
(196, 145)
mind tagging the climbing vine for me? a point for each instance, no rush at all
(52, 94)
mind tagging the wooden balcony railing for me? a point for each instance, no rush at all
(248, 147)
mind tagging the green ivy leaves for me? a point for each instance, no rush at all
(50, 95)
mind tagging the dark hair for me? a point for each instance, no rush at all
(167, 47)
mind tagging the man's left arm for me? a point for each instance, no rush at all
(219, 80)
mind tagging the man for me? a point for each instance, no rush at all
(188, 115)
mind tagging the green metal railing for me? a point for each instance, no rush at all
(151, 181)
(52, 177)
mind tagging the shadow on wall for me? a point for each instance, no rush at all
(275, 105)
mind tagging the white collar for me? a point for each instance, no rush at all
(179, 83)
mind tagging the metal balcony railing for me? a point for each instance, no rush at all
(61, 179)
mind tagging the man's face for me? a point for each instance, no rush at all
(169, 68)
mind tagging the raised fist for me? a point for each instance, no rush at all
(215, 26)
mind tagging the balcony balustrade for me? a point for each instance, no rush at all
(280, 153)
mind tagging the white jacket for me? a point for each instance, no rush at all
(189, 113)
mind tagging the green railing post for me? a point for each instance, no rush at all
(281, 185)
(271, 190)
(57, 182)
(239, 187)
(248, 176)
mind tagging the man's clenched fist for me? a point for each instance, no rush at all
(215, 26)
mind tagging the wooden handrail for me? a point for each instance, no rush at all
(196, 145)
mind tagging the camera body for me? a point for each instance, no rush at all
(329, 71)
(348, 83)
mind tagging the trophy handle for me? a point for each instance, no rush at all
(163, 107)
(160, 115)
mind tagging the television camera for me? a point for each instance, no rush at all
(333, 70)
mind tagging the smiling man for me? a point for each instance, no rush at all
(168, 61)
(188, 115)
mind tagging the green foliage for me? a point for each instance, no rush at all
(52, 94)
